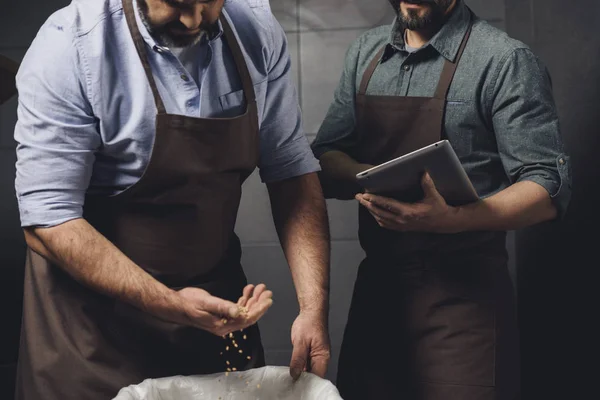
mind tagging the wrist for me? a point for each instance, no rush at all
(175, 308)
(316, 311)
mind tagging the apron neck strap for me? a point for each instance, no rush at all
(445, 79)
(140, 46)
(370, 70)
(240, 62)
(450, 68)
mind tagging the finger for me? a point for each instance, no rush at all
(219, 307)
(299, 359)
(256, 294)
(378, 212)
(318, 365)
(267, 294)
(384, 203)
(247, 292)
(259, 310)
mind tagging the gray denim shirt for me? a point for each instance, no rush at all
(500, 116)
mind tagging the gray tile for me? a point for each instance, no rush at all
(487, 8)
(519, 20)
(286, 13)
(279, 358)
(266, 264)
(255, 221)
(343, 219)
(322, 57)
(8, 119)
(498, 23)
(345, 259)
(11, 235)
(20, 22)
(8, 111)
(14, 53)
(336, 14)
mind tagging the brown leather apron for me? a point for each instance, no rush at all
(432, 316)
(177, 222)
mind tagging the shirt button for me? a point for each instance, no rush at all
(561, 161)
(185, 77)
(406, 67)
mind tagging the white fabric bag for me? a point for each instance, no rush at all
(267, 383)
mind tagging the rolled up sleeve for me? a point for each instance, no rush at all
(284, 148)
(56, 131)
(527, 128)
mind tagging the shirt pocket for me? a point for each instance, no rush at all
(233, 104)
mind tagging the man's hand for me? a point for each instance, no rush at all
(222, 317)
(310, 339)
(431, 214)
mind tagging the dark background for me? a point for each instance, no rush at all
(555, 263)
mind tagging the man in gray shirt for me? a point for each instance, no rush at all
(440, 271)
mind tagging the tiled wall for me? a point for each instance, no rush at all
(319, 32)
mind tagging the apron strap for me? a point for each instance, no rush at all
(370, 70)
(140, 45)
(450, 69)
(240, 62)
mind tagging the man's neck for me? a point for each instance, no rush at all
(420, 38)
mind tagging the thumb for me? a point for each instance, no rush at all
(299, 360)
(428, 186)
(220, 307)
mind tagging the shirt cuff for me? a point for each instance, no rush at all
(559, 190)
(301, 165)
(47, 215)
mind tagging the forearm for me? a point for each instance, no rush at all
(518, 206)
(300, 216)
(338, 176)
(95, 262)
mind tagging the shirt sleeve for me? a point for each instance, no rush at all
(337, 132)
(527, 129)
(284, 148)
(56, 132)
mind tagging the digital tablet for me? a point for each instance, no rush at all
(401, 177)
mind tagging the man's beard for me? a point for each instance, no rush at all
(164, 35)
(433, 18)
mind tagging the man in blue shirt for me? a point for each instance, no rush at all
(138, 122)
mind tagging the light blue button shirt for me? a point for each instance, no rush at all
(86, 114)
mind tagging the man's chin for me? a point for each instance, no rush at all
(180, 40)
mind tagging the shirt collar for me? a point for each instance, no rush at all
(447, 41)
(150, 40)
